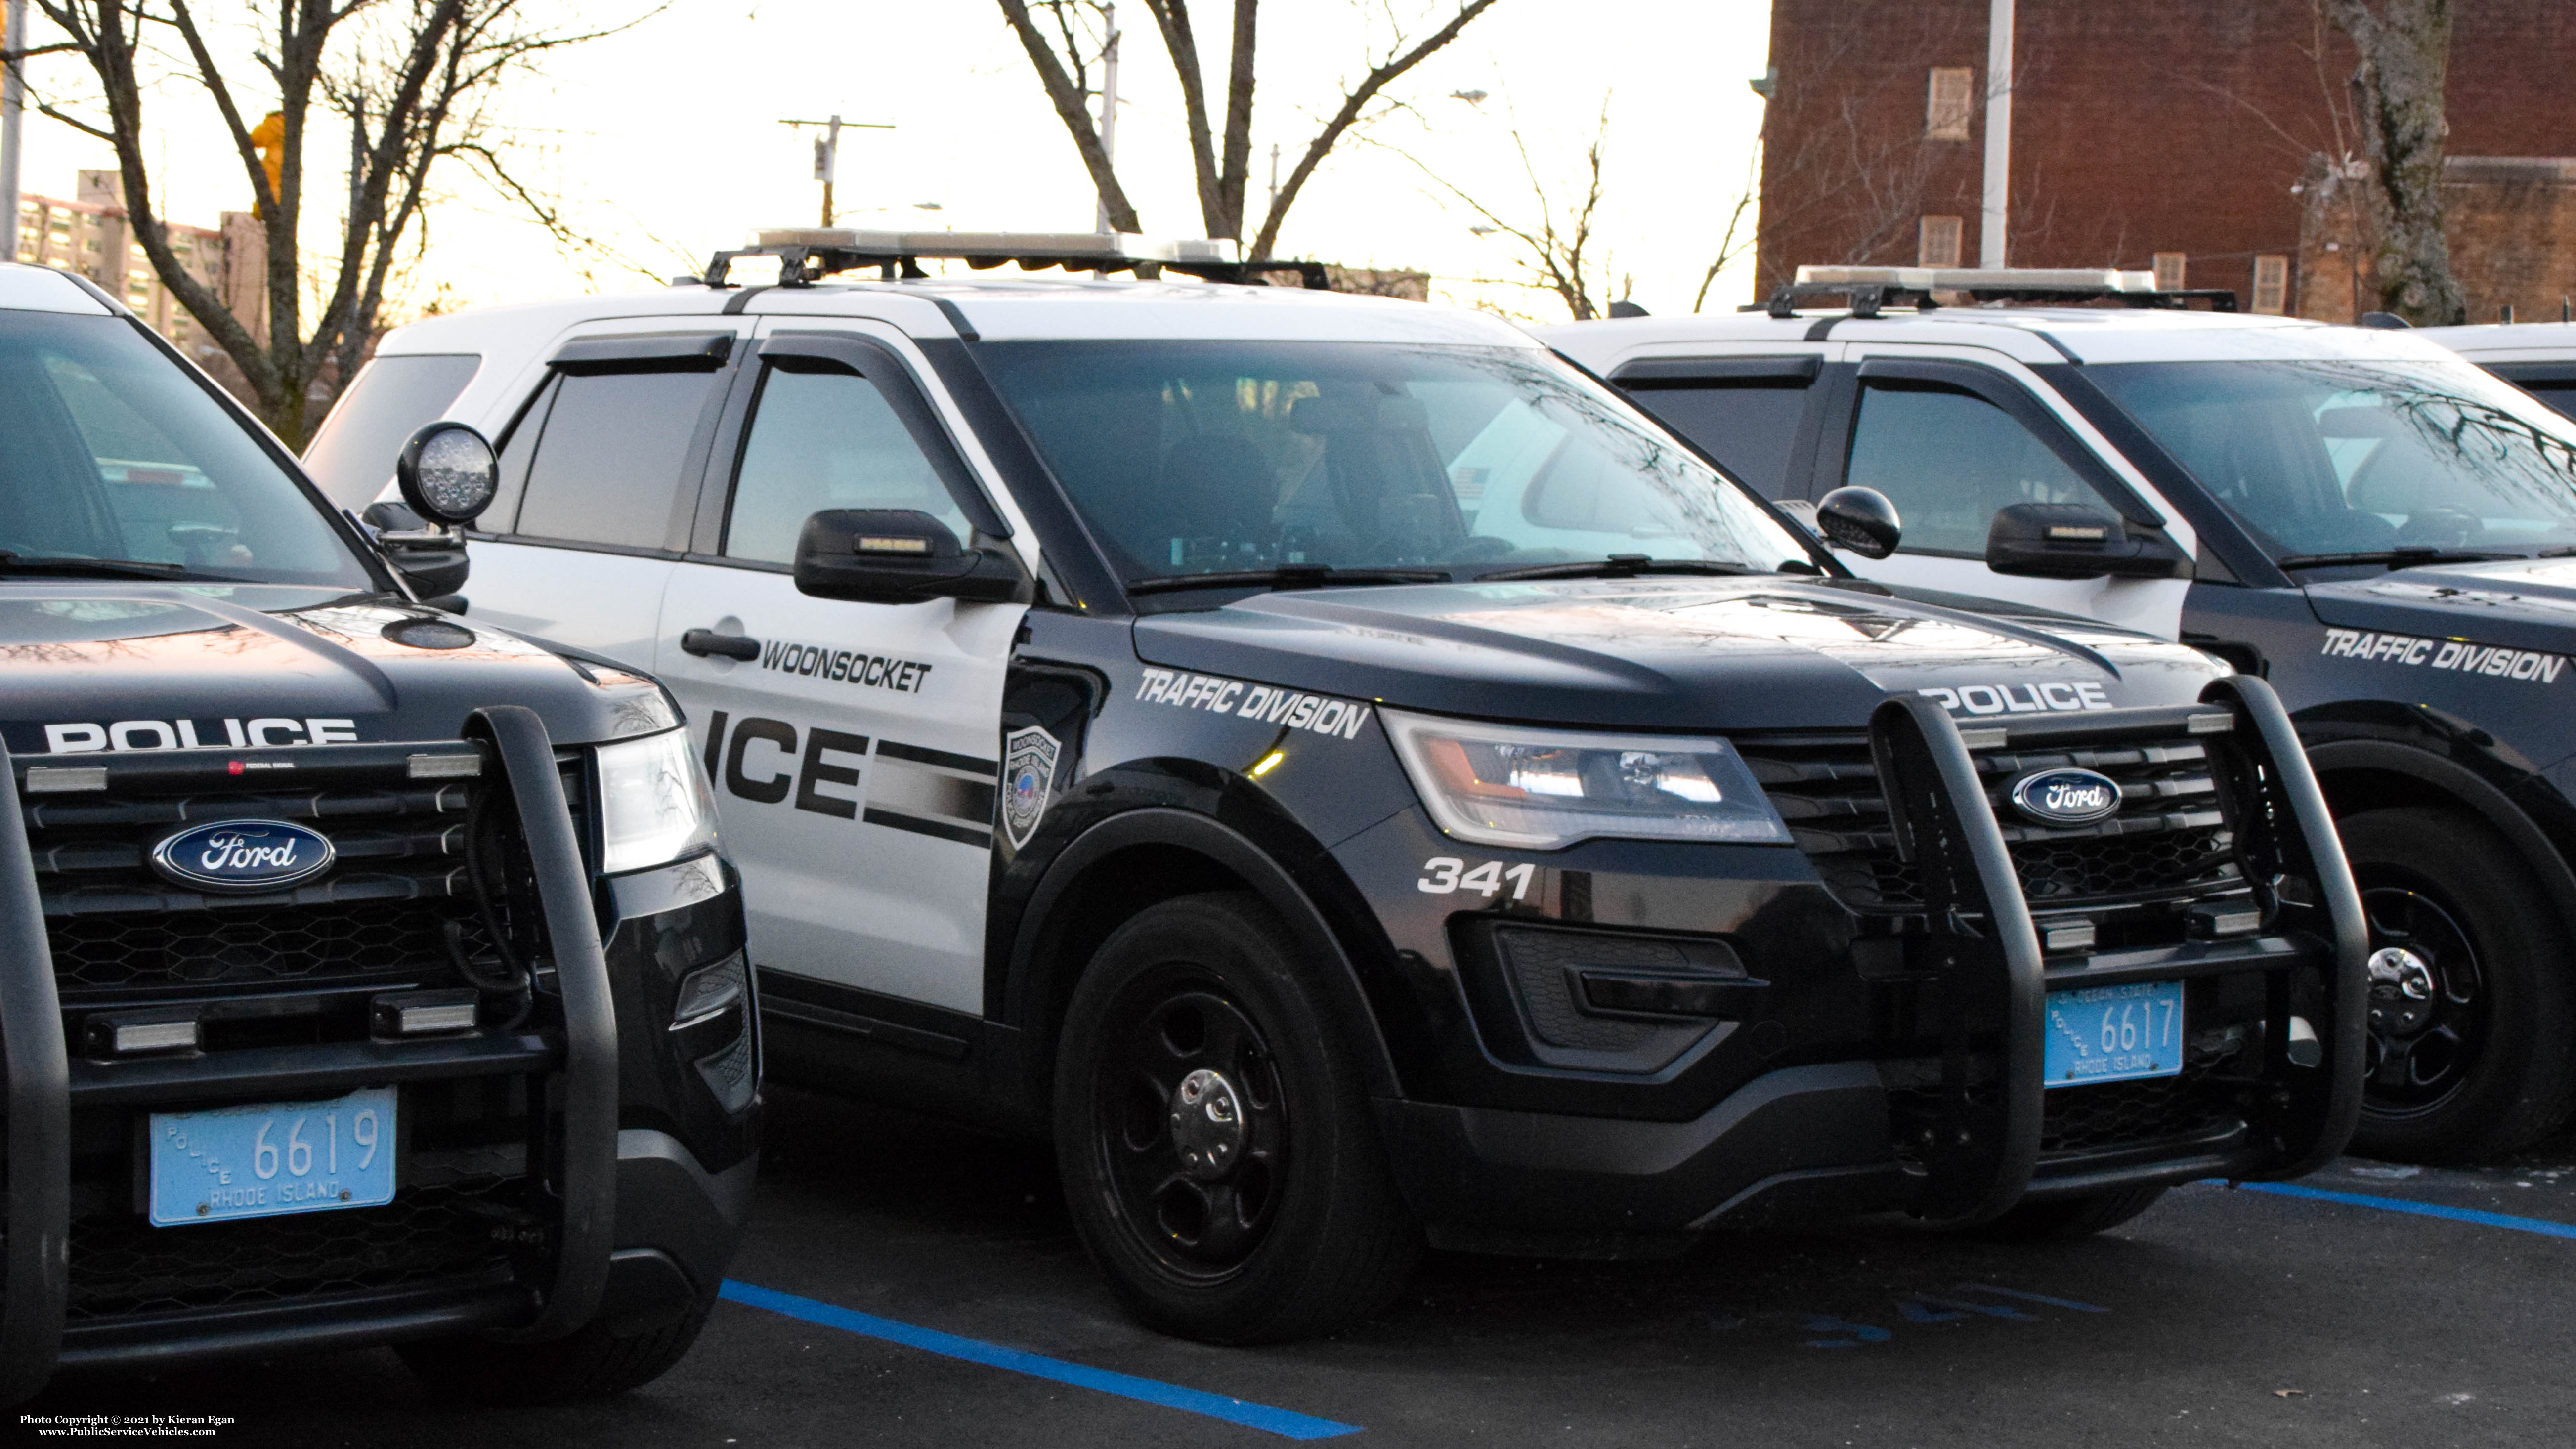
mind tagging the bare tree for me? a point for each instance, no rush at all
(1557, 238)
(2397, 90)
(1222, 160)
(415, 80)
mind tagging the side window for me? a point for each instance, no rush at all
(1948, 460)
(607, 460)
(825, 438)
(1751, 429)
(353, 456)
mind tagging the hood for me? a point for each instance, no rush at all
(99, 666)
(2523, 603)
(1754, 653)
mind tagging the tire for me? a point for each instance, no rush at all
(592, 1363)
(2473, 1016)
(2057, 1219)
(1253, 1205)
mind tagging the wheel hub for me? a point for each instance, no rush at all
(2401, 990)
(1207, 1124)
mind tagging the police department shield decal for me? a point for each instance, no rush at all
(1028, 778)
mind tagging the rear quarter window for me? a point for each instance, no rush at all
(1750, 429)
(352, 457)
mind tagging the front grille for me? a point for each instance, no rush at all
(118, 929)
(2170, 841)
(2133, 1114)
(121, 1265)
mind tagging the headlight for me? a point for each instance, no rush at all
(653, 802)
(1541, 789)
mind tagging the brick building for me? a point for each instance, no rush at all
(2210, 140)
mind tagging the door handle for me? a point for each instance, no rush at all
(703, 642)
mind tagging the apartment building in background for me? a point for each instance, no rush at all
(2211, 141)
(90, 235)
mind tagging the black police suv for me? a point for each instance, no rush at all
(371, 976)
(1351, 779)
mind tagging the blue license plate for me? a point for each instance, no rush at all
(2114, 1033)
(283, 1157)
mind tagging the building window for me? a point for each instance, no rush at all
(1951, 103)
(1938, 245)
(2271, 285)
(2169, 271)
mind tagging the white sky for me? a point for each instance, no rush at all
(665, 139)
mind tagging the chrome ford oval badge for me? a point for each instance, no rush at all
(2066, 797)
(243, 855)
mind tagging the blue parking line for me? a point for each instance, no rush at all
(1171, 1396)
(2542, 1226)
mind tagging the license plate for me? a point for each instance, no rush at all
(2114, 1033)
(282, 1157)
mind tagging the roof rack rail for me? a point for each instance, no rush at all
(1870, 289)
(806, 255)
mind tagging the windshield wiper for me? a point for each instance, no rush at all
(2395, 558)
(1622, 566)
(1288, 576)
(95, 568)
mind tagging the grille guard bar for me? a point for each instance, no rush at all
(1990, 969)
(34, 1254)
(37, 1249)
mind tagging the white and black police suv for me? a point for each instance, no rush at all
(1351, 779)
(2358, 516)
(370, 976)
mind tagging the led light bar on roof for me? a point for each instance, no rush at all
(1866, 290)
(1008, 246)
(1969, 279)
(806, 255)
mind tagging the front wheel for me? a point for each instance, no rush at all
(1216, 1140)
(2471, 1011)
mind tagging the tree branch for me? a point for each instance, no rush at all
(1069, 108)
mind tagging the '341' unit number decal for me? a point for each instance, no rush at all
(1442, 874)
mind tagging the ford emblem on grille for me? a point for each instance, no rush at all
(243, 855)
(2066, 797)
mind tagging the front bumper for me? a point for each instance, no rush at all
(617, 1186)
(1943, 1112)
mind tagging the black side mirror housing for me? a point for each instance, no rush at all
(431, 559)
(1862, 520)
(2077, 541)
(900, 556)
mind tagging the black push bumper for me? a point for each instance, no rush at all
(573, 1056)
(1980, 1131)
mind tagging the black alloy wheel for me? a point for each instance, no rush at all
(2427, 1013)
(1215, 1133)
(1190, 1124)
(2472, 1009)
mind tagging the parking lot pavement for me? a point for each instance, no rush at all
(922, 1287)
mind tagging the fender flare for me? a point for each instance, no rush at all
(1033, 979)
(2463, 785)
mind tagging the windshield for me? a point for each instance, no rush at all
(1222, 457)
(109, 451)
(2333, 457)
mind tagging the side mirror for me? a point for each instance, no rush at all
(1859, 519)
(448, 473)
(431, 560)
(899, 556)
(2077, 541)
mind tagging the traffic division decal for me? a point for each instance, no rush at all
(2457, 655)
(1268, 704)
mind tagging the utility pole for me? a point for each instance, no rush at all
(1108, 108)
(1999, 67)
(827, 151)
(1274, 180)
(13, 102)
